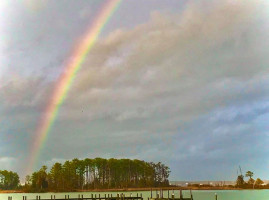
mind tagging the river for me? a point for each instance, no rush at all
(197, 195)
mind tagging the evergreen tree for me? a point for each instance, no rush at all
(99, 173)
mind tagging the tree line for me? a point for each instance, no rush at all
(250, 183)
(98, 173)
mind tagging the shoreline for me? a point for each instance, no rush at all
(135, 189)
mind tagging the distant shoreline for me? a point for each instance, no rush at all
(137, 189)
(158, 189)
(10, 191)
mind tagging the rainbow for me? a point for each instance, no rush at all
(66, 79)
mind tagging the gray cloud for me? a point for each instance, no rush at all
(189, 89)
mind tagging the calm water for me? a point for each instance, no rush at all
(198, 195)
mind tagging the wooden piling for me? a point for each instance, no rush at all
(191, 195)
(168, 193)
(181, 195)
(216, 196)
(151, 193)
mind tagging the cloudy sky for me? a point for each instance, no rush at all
(184, 82)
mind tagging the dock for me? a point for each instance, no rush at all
(156, 195)
(88, 197)
(160, 195)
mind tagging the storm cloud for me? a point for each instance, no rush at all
(187, 87)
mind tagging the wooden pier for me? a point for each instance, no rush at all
(160, 195)
(91, 197)
(156, 195)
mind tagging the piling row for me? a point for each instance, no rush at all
(158, 196)
(92, 197)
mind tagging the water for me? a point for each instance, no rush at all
(197, 195)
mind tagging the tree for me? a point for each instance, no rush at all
(28, 180)
(259, 182)
(39, 179)
(56, 176)
(9, 180)
(251, 181)
(249, 174)
(240, 181)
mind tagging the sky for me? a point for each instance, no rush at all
(184, 82)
